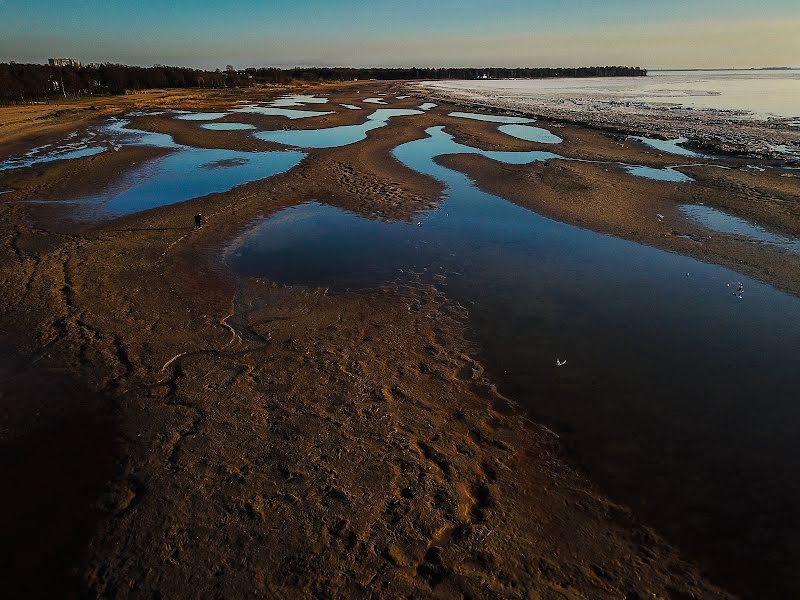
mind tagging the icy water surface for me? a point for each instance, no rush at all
(679, 375)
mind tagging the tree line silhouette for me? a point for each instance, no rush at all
(21, 83)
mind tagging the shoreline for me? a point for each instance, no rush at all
(240, 339)
(709, 130)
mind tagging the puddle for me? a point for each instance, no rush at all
(403, 97)
(209, 116)
(374, 101)
(665, 174)
(289, 113)
(80, 148)
(332, 137)
(298, 100)
(530, 134)
(670, 146)
(427, 106)
(671, 378)
(491, 118)
(351, 106)
(722, 222)
(146, 113)
(227, 126)
(184, 174)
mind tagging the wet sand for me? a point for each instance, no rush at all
(287, 441)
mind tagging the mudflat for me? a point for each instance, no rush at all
(194, 432)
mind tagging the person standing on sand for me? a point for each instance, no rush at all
(198, 221)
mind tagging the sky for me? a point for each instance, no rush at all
(211, 34)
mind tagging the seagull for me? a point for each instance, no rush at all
(560, 362)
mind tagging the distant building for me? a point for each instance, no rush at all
(63, 62)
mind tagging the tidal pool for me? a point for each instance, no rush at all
(722, 222)
(374, 101)
(331, 137)
(351, 106)
(665, 174)
(86, 146)
(530, 134)
(676, 376)
(427, 105)
(289, 113)
(227, 126)
(670, 146)
(492, 118)
(183, 174)
(298, 100)
(208, 116)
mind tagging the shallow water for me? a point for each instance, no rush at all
(427, 105)
(491, 118)
(670, 146)
(227, 126)
(208, 116)
(183, 174)
(70, 149)
(674, 380)
(530, 134)
(331, 137)
(722, 222)
(298, 100)
(289, 113)
(374, 100)
(351, 106)
(655, 174)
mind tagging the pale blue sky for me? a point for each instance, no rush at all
(680, 33)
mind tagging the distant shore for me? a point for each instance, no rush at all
(634, 107)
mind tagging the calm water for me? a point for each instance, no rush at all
(331, 137)
(183, 174)
(227, 126)
(208, 116)
(272, 111)
(71, 148)
(491, 118)
(530, 134)
(722, 222)
(679, 393)
(670, 146)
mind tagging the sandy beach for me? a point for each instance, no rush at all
(237, 437)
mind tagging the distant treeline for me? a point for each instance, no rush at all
(20, 83)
